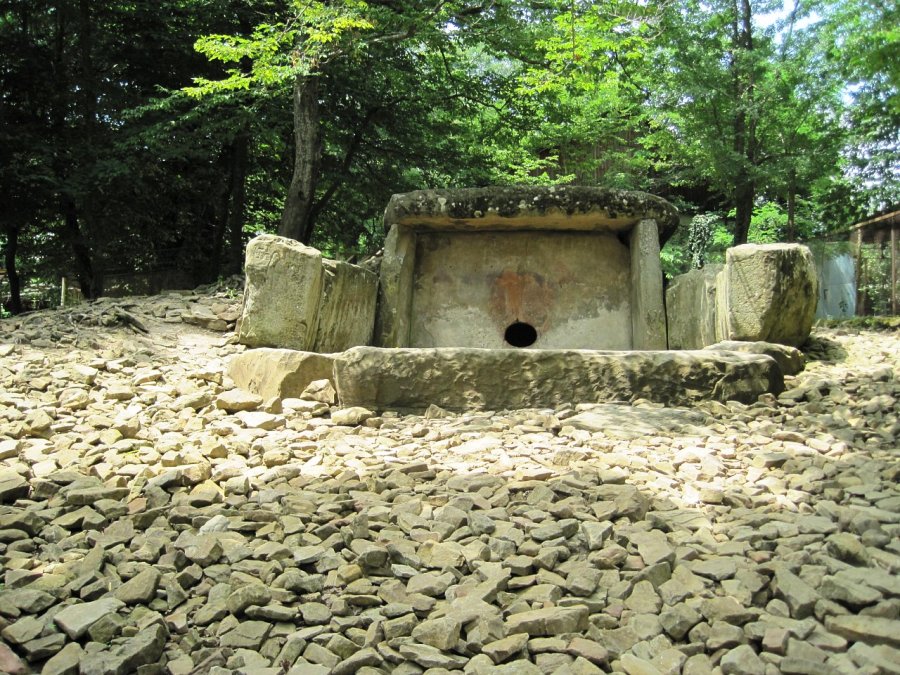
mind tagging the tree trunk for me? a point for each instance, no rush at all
(297, 220)
(791, 234)
(84, 266)
(90, 279)
(14, 304)
(744, 119)
(744, 195)
(238, 211)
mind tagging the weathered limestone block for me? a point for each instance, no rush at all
(691, 309)
(789, 359)
(764, 293)
(282, 294)
(769, 292)
(463, 379)
(648, 316)
(347, 309)
(282, 373)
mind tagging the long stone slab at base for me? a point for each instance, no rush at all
(466, 379)
(470, 379)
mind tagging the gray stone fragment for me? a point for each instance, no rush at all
(871, 630)
(679, 620)
(548, 621)
(244, 596)
(439, 633)
(849, 593)
(351, 416)
(653, 547)
(141, 650)
(23, 630)
(429, 657)
(247, 635)
(75, 620)
(139, 589)
(800, 596)
(12, 486)
(505, 648)
(717, 568)
(742, 660)
(356, 662)
(64, 662)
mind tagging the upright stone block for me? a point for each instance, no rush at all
(648, 317)
(396, 288)
(282, 294)
(771, 293)
(347, 309)
(691, 309)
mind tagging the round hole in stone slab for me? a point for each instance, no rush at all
(520, 334)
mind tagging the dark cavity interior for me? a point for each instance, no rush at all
(520, 334)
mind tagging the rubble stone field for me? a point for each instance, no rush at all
(154, 519)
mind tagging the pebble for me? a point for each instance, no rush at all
(155, 519)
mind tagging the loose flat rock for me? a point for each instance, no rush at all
(154, 532)
(76, 619)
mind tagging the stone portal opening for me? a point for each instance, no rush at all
(520, 334)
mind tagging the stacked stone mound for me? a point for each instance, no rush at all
(153, 519)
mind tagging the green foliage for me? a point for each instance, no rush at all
(170, 148)
(768, 224)
(700, 233)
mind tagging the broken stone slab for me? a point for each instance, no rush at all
(12, 486)
(347, 307)
(691, 308)
(460, 379)
(627, 422)
(75, 620)
(278, 373)
(762, 293)
(790, 359)
(873, 630)
(282, 294)
(770, 293)
(295, 299)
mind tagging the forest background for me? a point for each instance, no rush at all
(139, 136)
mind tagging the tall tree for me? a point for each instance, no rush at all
(314, 43)
(709, 100)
